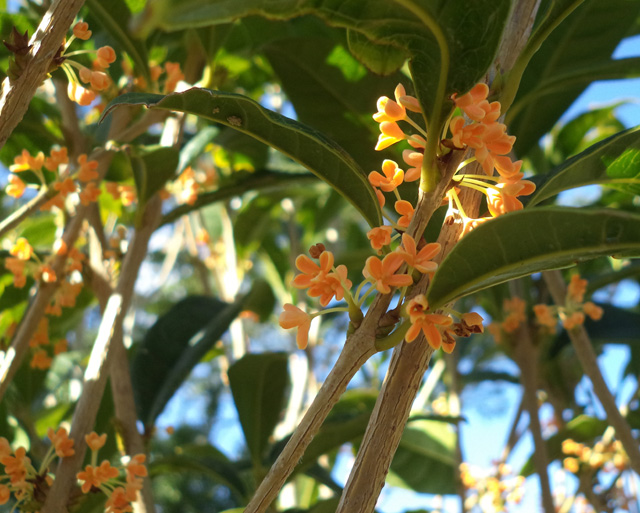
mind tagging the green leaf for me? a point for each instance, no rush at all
(614, 69)
(469, 32)
(116, 19)
(580, 429)
(196, 146)
(425, 460)
(202, 459)
(613, 162)
(258, 384)
(261, 300)
(172, 347)
(312, 149)
(153, 167)
(584, 40)
(529, 241)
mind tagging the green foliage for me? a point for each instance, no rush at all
(557, 237)
(310, 148)
(172, 347)
(258, 383)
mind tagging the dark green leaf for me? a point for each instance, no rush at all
(529, 241)
(203, 459)
(260, 299)
(584, 40)
(195, 147)
(469, 32)
(172, 347)
(614, 162)
(425, 460)
(258, 384)
(153, 167)
(304, 145)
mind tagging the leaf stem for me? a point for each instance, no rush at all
(430, 176)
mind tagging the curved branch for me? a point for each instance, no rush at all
(587, 357)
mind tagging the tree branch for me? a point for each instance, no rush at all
(587, 357)
(16, 94)
(100, 360)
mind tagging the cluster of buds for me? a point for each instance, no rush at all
(24, 261)
(399, 267)
(97, 79)
(82, 180)
(21, 479)
(171, 71)
(572, 313)
(493, 490)
(481, 131)
(608, 456)
(106, 478)
(29, 486)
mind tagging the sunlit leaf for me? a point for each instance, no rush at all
(614, 162)
(529, 241)
(310, 148)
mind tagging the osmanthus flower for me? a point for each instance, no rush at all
(515, 308)
(391, 133)
(294, 317)
(388, 110)
(81, 30)
(419, 260)
(406, 211)
(414, 159)
(56, 158)
(40, 360)
(61, 442)
(5, 494)
(26, 162)
(65, 187)
(593, 311)
(95, 441)
(96, 476)
(472, 102)
(88, 169)
(576, 288)
(16, 187)
(89, 194)
(16, 267)
(545, 316)
(22, 249)
(174, 75)
(393, 176)
(382, 272)
(311, 271)
(424, 322)
(18, 466)
(380, 236)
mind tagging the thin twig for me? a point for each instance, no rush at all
(16, 94)
(20, 344)
(526, 357)
(587, 357)
(10, 222)
(100, 360)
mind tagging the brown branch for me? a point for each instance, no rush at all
(122, 391)
(358, 348)
(20, 344)
(410, 361)
(10, 222)
(526, 356)
(16, 94)
(587, 357)
(101, 359)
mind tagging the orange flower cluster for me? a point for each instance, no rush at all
(573, 312)
(171, 69)
(491, 146)
(104, 477)
(492, 490)
(609, 456)
(24, 481)
(439, 329)
(97, 79)
(515, 314)
(386, 271)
